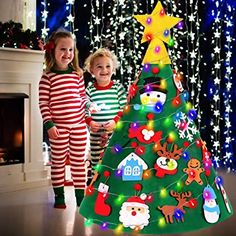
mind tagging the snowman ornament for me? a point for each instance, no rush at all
(210, 206)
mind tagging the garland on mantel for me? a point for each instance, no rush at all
(13, 36)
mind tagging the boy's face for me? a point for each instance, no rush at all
(64, 53)
(102, 69)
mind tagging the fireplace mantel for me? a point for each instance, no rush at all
(20, 72)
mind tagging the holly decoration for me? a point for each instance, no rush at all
(13, 36)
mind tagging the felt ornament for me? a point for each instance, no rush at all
(177, 211)
(210, 206)
(194, 170)
(100, 207)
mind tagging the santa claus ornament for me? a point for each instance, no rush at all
(134, 213)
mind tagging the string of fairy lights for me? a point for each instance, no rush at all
(112, 24)
(215, 106)
(222, 21)
(229, 16)
(44, 16)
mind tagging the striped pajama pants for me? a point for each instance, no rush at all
(71, 144)
(95, 149)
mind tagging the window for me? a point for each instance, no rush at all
(136, 171)
(128, 170)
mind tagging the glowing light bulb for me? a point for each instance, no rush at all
(185, 155)
(119, 200)
(104, 226)
(118, 125)
(162, 12)
(149, 37)
(147, 67)
(171, 42)
(167, 121)
(158, 107)
(118, 173)
(163, 193)
(119, 229)
(161, 222)
(149, 20)
(88, 222)
(179, 185)
(166, 33)
(157, 49)
(192, 173)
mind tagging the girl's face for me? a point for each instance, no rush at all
(102, 69)
(64, 53)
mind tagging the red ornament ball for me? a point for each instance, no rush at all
(138, 187)
(186, 144)
(150, 116)
(133, 144)
(155, 70)
(106, 173)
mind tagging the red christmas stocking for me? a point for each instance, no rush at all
(101, 208)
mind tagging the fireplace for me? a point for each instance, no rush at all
(21, 131)
(12, 128)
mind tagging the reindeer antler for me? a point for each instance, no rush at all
(174, 194)
(176, 153)
(162, 151)
(186, 194)
(180, 195)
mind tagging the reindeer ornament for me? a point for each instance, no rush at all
(166, 163)
(177, 211)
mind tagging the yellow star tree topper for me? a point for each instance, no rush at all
(157, 31)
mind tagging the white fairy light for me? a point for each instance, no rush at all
(69, 23)
(44, 16)
(228, 146)
(216, 73)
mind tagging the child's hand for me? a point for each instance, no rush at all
(95, 126)
(94, 108)
(53, 133)
(110, 125)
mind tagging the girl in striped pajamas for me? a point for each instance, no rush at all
(109, 96)
(62, 102)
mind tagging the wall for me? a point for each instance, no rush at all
(23, 11)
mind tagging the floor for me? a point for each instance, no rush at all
(31, 213)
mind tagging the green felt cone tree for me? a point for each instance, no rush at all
(156, 175)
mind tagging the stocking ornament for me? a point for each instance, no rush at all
(101, 208)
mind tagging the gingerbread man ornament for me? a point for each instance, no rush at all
(194, 171)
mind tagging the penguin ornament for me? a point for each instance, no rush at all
(210, 206)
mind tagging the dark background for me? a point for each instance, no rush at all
(57, 14)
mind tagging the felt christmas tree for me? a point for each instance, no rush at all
(156, 174)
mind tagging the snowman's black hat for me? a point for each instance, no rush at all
(154, 83)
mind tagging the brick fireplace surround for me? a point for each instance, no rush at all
(20, 71)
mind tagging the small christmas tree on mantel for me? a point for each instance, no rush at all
(156, 176)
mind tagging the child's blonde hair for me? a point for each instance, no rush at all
(49, 56)
(101, 52)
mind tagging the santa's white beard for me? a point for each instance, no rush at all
(140, 219)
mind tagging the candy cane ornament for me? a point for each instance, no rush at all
(219, 186)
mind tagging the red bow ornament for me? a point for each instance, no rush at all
(49, 46)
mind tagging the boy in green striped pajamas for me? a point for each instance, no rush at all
(110, 98)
